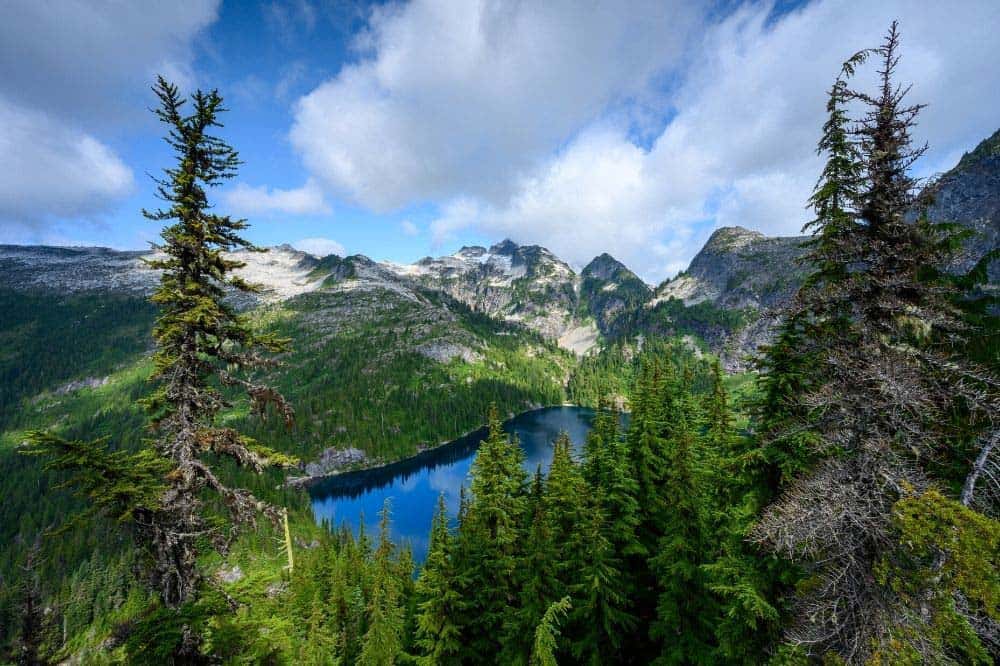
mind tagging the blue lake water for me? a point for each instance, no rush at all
(413, 485)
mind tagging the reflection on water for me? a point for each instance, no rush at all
(415, 484)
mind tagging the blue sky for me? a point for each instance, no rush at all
(405, 129)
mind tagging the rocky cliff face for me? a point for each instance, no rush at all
(969, 195)
(739, 269)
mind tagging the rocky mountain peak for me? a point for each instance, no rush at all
(505, 247)
(728, 239)
(605, 267)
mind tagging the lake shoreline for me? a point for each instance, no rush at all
(306, 482)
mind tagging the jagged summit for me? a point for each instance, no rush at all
(506, 246)
(606, 267)
(737, 278)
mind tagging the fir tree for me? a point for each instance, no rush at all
(491, 530)
(536, 578)
(383, 642)
(600, 620)
(201, 340)
(564, 511)
(438, 637)
(882, 398)
(682, 609)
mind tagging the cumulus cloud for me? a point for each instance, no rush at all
(739, 149)
(459, 98)
(320, 247)
(69, 74)
(52, 170)
(636, 129)
(92, 60)
(244, 199)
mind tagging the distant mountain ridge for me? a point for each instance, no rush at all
(726, 297)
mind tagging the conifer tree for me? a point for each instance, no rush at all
(383, 642)
(536, 578)
(564, 510)
(202, 344)
(682, 609)
(201, 339)
(438, 636)
(600, 619)
(646, 442)
(492, 531)
(883, 398)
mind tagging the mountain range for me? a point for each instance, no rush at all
(503, 323)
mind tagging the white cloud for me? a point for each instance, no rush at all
(740, 148)
(320, 247)
(70, 73)
(93, 61)
(459, 98)
(244, 199)
(51, 170)
(409, 228)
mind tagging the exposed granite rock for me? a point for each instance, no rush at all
(523, 284)
(333, 460)
(740, 269)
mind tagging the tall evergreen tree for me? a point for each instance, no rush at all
(537, 580)
(565, 491)
(600, 619)
(202, 341)
(383, 642)
(683, 612)
(438, 636)
(491, 530)
(881, 405)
